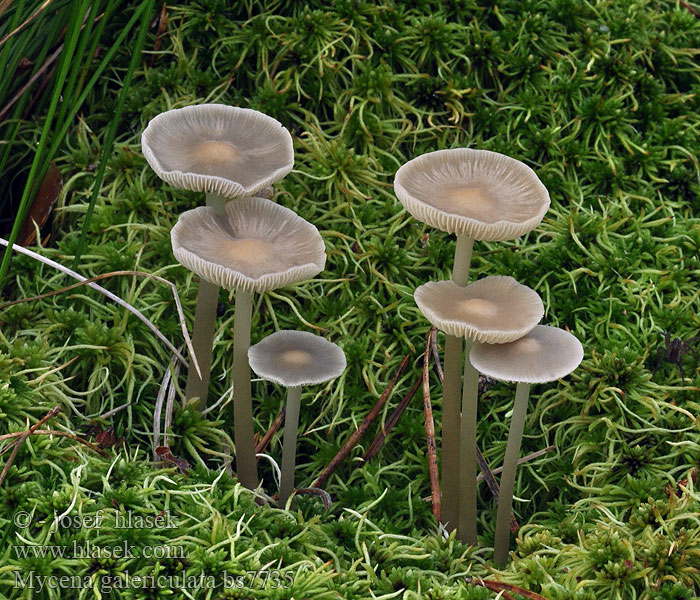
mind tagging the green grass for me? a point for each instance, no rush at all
(600, 98)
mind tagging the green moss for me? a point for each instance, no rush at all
(611, 128)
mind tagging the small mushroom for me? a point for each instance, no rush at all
(252, 245)
(494, 309)
(477, 195)
(545, 354)
(294, 359)
(227, 152)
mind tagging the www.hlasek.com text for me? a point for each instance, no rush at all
(88, 549)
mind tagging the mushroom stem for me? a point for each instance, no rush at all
(203, 331)
(466, 530)
(202, 342)
(510, 464)
(246, 467)
(463, 258)
(451, 388)
(291, 425)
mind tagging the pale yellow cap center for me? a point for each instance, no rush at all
(215, 152)
(247, 249)
(470, 198)
(478, 307)
(296, 358)
(530, 346)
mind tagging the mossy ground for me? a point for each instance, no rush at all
(600, 98)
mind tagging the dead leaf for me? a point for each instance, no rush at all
(45, 198)
(106, 438)
(164, 453)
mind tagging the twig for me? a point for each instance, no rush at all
(436, 357)
(228, 461)
(262, 445)
(170, 401)
(162, 20)
(158, 409)
(430, 432)
(323, 494)
(498, 586)
(21, 26)
(90, 282)
(55, 432)
(36, 96)
(524, 459)
(47, 63)
(52, 413)
(487, 474)
(355, 437)
(690, 8)
(114, 411)
(378, 442)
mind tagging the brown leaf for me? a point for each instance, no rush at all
(164, 453)
(106, 438)
(162, 20)
(45, 198)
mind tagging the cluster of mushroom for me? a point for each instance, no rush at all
(244, 243)
(482, 195)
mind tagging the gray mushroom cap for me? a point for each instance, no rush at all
(295, 358)
(252, 244)
(545, 354)
(477, 193)
(494, 309)
(226, 150)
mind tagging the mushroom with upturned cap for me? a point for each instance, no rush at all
(251, 246)
(494, 309)
(477, 195)
(227, 152)
(224, 150)
(294, 359)
(545, 354)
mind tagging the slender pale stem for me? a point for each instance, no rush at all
(246, 467)
(289, 450)
(510, 465)
(463, 258)
(204, 329)
(466, 530)
(202, 342)
(451, 391)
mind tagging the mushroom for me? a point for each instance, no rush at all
(477, 195)
(545, 354)
(293, 359)
(494, 309)
(227, 152)
(252, 245)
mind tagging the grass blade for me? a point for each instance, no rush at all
(111, 134)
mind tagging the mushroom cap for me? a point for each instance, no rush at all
(494, 309)
(477, 193)
(227, 150)
(293, 358)
(545, 354)
(252, 244)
